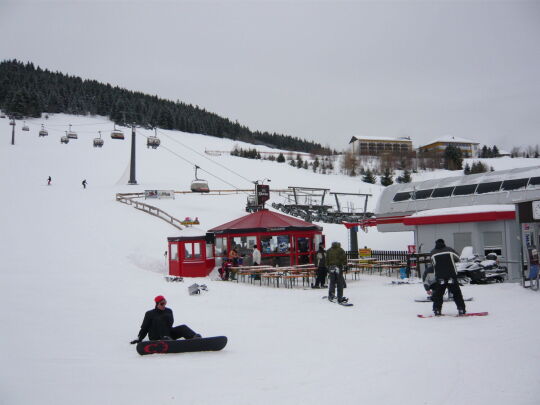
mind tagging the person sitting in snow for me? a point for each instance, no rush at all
(336, 259)
(443, 259)
(158, 324)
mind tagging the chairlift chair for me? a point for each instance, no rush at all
(116, 133)
(25, 127)
(65, 139)
(43, 131)
(98, 142)
(199, 185)
(71, 134)
(153, 141)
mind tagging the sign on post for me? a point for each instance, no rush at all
(364, 252)
(263, 193)
(158, 194)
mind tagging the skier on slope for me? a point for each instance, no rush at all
(444, 259)
(336, 259)
(84, 183)
(49, 181)
(158, 324)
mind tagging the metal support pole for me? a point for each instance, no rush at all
(12, 123)
(132, 179)
(354, 242)
(337, 203)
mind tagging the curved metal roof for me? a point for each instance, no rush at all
(386, 204)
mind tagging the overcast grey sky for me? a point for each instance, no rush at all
(323, 71)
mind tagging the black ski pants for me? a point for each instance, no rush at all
(335, 277)
(439, 288)
(182, 331)
(321, 276)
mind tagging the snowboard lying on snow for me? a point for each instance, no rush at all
(456, 315)
(446, 299)
(182, 346)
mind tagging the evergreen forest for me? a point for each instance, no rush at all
(29, 91)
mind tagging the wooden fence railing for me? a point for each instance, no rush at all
(128, 199)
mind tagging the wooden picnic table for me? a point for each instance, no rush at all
(286, 273)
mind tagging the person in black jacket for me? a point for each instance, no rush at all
(322, 271)
(158, 324)
(444, 259)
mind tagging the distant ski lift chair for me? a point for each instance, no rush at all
(98, 142)
(153, 141)
(116, 133)
(43, 131)
(25, 127)
(199, 185)
(71, 134)
(64, 139)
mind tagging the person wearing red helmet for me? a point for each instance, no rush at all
(158, 324)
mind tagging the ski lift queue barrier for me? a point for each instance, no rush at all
(389, 262)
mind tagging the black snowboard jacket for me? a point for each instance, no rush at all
(156, 323)
(443, 260)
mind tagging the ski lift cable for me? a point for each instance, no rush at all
(193, 164)
(74, 125)
(206, 157)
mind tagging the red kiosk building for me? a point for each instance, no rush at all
(282, 241)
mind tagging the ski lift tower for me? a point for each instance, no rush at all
(132, 180)
(12, 123)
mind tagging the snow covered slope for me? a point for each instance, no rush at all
(78, 270)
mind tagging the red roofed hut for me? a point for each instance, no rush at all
(281, 239)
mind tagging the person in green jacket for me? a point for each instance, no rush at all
(336, 259)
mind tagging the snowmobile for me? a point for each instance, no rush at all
(475, 271)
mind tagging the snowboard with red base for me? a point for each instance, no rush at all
(182, 346)
(455, 315)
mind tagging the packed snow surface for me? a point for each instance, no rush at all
(78, 270)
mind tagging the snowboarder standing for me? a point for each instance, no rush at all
(320, 260)
(336, 259)
(84, 183)
(158, 324)
(49, 181)
(444, 259)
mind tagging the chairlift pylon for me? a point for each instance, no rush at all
(199, 185)
(116, 133)
(153, 141)
(98, 142)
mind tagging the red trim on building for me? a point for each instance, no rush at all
(436, 219)
(456, 218)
